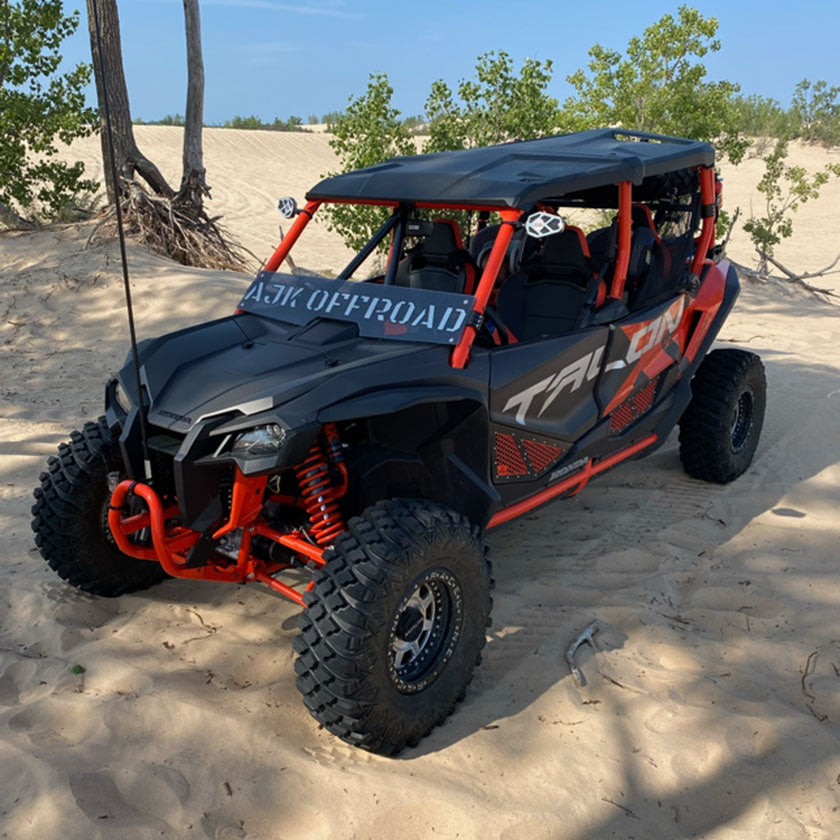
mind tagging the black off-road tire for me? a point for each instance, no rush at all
(69, 517)
(720, 429)
(359, 616)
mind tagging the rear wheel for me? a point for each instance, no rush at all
(720, 429)
(395, 624)
(70, 517)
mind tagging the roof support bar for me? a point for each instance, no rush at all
(625, 222)
(707, 233)
(291, 237)
(461, 353)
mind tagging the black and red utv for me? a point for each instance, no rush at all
(371, 430)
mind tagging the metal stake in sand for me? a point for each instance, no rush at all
(147, 471)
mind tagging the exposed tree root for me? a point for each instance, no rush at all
(179, 230)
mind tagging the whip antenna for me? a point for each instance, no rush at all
(129, 309)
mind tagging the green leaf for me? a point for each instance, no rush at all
(40, 107)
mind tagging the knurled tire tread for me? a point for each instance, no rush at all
(346, 610)
(65, 517)
(705, 451)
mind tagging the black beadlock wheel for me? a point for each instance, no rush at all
(395, 624)
(70, 517)
(720, 429)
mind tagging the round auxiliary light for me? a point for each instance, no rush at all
(542, 224)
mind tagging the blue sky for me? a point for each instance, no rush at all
(273, 58)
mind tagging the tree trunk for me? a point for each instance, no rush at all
(193, 186)
(128, 157)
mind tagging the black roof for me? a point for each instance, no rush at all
(521, 173)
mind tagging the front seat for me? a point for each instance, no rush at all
(438, 262)
(553, 292)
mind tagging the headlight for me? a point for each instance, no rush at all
(122, 398)
(261, 440)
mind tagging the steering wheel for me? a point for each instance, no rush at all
(492, 316)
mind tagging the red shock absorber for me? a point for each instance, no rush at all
(319, 491)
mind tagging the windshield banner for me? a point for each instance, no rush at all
(394, 312)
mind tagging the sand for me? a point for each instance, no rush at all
(712, 704)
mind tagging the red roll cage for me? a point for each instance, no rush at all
(510, 216)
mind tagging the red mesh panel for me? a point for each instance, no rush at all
(541, 454)
(509, 460)
(621, 417)
(642, 400)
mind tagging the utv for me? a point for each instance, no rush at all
(371, 430)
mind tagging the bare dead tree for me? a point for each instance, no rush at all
(128, 157)
(193, 185)
(173, 223)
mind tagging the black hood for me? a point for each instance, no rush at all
(248, 365)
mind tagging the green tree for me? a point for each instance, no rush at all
(784, 189)
(762, 116)
(816, 112)
(330, 118)
(497, 105)
(660, 85)
(369, 131)
(38, 108)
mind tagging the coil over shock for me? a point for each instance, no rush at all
(319, 491)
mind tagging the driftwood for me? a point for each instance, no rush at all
(799, 279)
(790, 277)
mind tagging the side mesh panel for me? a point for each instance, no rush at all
(621, 417)
(541, 454)
(509, 460)
(633, 408)
(642, 401)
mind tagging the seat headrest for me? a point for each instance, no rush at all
(564, 249)
(444, 239)
(484, 239)
(642, 218)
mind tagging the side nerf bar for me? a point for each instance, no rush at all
(574, 483)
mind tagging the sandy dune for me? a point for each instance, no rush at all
(249, 170)
(712, 705)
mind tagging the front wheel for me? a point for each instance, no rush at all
(720, 429)
(70, 517)
(395, 624)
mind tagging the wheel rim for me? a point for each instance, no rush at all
(424, 630)
(742, 421)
